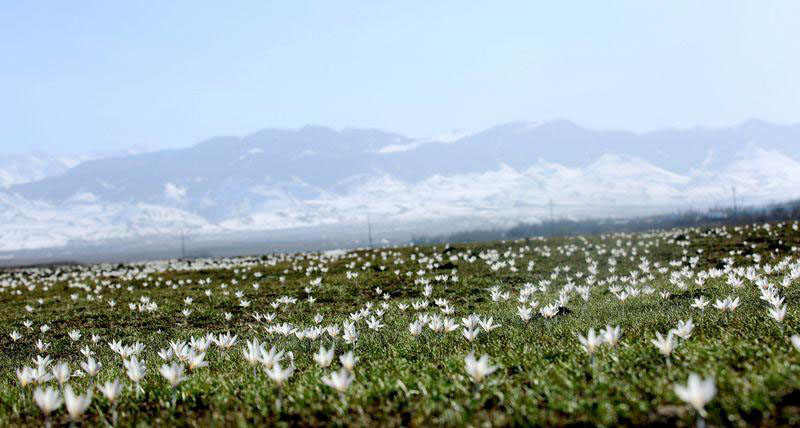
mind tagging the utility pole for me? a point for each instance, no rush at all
(551, 218)
(183, 245)
(735, 208)
(369, 229)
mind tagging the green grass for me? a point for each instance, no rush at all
(545, 376)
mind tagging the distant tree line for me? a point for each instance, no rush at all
(565, 227)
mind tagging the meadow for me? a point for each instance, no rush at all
(677, 327)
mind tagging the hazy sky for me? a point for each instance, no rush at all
(79, 76)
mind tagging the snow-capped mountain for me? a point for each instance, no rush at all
(27, 167)
(319, 177)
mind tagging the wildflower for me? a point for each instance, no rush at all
(135, 369)
(25, 376)
(697, 392)
(611, 335)
(268, 359)
(226, 341)
(524, 313)
(727, 304)
(700, 303)
(91, 367)
(374, 324)
(591, 342)
(448, 325)
(111, 390)
(470, 321)
(173, 373)
(549, 311)
(339, 381)
(196, 361)
(684, 330)
(86, 351)
(47, 399)
(470, 334)
(478, 369)
(324, 357)
(76, 404)
(166, 354)
(415, 328)
(15, 336)
(61, 373)
(348, 360)
(75, 335)
(664, 344)
(350, 334)
(252, 354)
(796, 342)
(778, 313)
(487, 324)
(279, 375)
(42, 346)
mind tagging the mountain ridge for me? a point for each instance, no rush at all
(316, 176)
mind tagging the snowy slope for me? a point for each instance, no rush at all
(318, 177)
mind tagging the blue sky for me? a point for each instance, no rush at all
(78, 77)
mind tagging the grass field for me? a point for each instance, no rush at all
(643, 283)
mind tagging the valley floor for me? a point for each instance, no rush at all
(402, 324)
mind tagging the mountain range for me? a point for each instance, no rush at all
(315, 178)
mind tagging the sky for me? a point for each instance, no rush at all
(90, 76)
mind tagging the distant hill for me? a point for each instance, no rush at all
(315, 176)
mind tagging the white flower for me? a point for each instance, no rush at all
(76, 404)
(173, 373)
(111, 390)
(697, 392)
(524, 313)
(591, 342)
(684, 330)
(47, 399)
(348, 360)
(339, 381)
(415, 328)
(225, 341)
(470, 334)
(268, 359)
(196, 361)
(25, 376)
(796, 342)
(324, 357)
(279, 375)
(611, 335)
(91, 367)
(487, 324)
(778, 313)
(727, 304)
(61, 372)
(664, 344)
(374, 324)
(252, 354)
(700, 303)
(135, 369)
(478, 369)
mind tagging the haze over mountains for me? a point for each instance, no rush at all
(314, 178)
